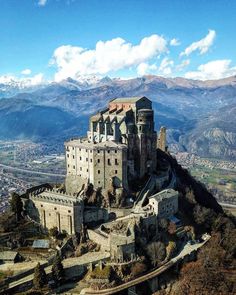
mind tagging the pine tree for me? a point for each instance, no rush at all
(40, 277)
(57, 269)
(16, 205)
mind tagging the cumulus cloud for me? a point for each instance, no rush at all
(112, 55)
(215, 69)
(42, 2)
(175, 42)
(202, 45)
(166, 66)
(26, 72)
(145, 68)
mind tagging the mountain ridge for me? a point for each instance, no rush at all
(183, 106)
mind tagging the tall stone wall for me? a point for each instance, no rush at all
(99, 239)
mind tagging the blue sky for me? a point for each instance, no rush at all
(54, 39)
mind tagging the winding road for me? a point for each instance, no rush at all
(187, 250)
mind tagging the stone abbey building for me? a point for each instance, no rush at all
(120, 147)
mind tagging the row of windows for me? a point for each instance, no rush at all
(55, 208)
(99, 171)
(98, 151)
(98, 161)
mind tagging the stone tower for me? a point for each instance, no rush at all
(162, 139)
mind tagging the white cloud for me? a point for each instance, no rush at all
(175, 42)
(145, 68)
(26, 72)
(26, 82)
(166, 66)
(202, 45)
(183, 64)
(42, 2)
(215, 69)
(112, 55)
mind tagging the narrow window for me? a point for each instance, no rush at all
(80, 158)
(115, 171)
(98, 151)
(116, 162)
(91, 160)
(69, 211)
(108, 151)
(73, 156)
(108, 161)
(86, 159)
(116, 151)
(74, 167)
(80, 168)
(98, 171)
(68, 155)
(98, 160)
(68, 165)
(55, 208)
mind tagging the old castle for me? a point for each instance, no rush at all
(120, 147)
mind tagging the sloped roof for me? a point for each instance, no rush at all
(165, 194)
(41, 244)
(128, 99)
(8, 255)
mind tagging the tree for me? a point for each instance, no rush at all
(138, 268)
(53, 232)
(172, 228)
(170, 249)
(156, 252)
(163, 224)
(16, 205)
(40, 277)
(204, 216)
(58, 269)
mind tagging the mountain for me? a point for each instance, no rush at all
(197, 114)
(214, 135)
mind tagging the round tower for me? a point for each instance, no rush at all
(145, 122)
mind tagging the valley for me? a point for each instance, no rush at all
(219, 176)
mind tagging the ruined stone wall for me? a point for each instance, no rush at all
(161, 143)
(99, 239)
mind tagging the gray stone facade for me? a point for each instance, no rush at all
(120, 146)
(165, 203)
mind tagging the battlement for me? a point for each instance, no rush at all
(56, 196)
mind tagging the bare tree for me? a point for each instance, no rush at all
(156, 252)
